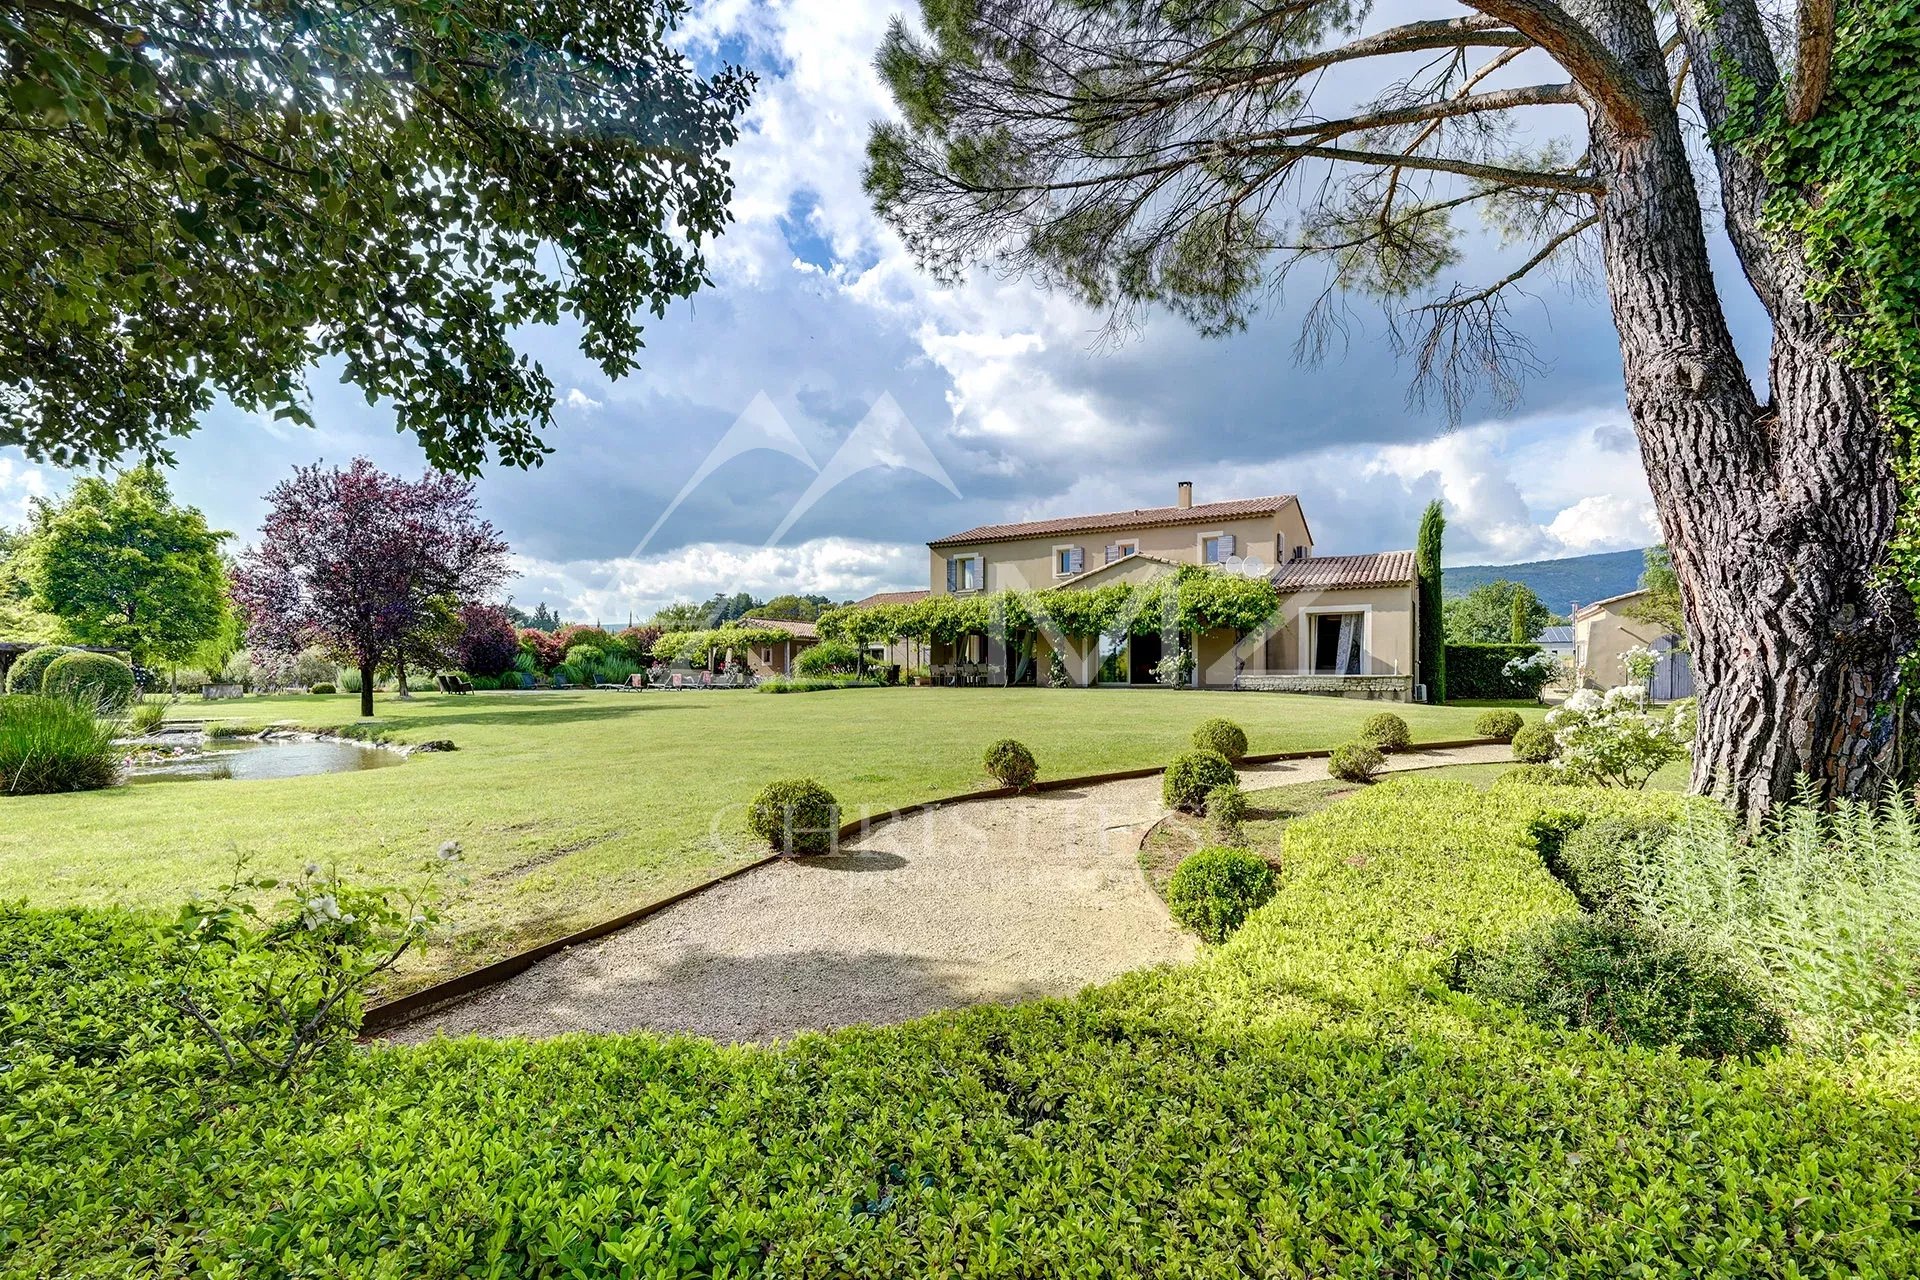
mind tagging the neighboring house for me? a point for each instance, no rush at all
(1346, 624)
(1602, 631)
(778, 659)
(1557, 641)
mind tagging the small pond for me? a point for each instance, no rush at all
(249, 760)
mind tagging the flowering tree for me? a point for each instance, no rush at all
(360, 562)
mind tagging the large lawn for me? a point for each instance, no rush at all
(573, 807)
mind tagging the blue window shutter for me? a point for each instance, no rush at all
(1226, 546)
(1077, 558)
(953, 576)
(1113, 552)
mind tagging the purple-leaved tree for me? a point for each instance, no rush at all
(358, 562)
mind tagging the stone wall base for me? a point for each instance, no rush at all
(1372, 688)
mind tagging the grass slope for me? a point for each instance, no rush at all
(574, 807)
(1305, 1100)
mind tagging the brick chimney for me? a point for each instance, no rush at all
(1186, 494)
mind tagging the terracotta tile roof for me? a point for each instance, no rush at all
(1325, 573)
(891, 597)
(1205, 513)
(1137, 558)
(800, 630)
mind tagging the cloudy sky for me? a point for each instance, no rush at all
(858, 409)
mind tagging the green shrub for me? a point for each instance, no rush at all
(1484, 671)
(27, 671)
(146, 715)
(1191, 776)
(52, 744)
(1226, 810)
(1057, 675)
(324, 686)
(1355, 762)
(1534, 744)
(829, 657)
(97, 680)
(814, 684)
(1596, 859)
(1223, 736)
(1636, 983)
(1385, 732)
(349, 681)
(1820, 899)
(1501, 725)
(1213, 891)
(795, 816)
(1011, 762)
(1536, 775)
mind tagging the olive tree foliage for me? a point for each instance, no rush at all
(207, 199)
(1197, 154)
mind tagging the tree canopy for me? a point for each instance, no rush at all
(123, 567)
(1497, 612)
(1203, 156)
(368, 566)
(1661, 605)
(210, 199)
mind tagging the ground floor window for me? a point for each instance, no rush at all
(1338, 641)
(1129, 659)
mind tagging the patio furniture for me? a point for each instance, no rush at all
(451, 684)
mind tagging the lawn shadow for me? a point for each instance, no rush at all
(770, 993)
(518, 717)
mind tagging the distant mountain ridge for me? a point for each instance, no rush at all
(1558, 583)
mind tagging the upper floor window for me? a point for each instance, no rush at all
(1121, 550)
(1216, 548)
(1068, 561)
(966, 573)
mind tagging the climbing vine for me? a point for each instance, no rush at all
(1196, 599)
(1847, 184)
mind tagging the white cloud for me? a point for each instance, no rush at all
(611, 590)
(580, 401)
(19, 485)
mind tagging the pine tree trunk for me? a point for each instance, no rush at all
(1777, 515)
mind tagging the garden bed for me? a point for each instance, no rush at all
(1306, 1099)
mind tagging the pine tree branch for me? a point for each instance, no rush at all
(1604, 77)
(1813, 60)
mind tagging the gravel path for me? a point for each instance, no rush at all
(997, 900)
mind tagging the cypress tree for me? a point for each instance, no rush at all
(1432, 661)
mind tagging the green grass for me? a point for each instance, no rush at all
(575, 807)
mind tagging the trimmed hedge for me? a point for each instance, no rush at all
(1385, 732)
(1304, 1099)
(1355, 762)
(1534, 744)
(1212, 891)
(29, 668)
(1009, 761)
(1222, 735)
(1477, 671)
(795, 816)
(1634, 983)
(1191, 776)
(98, 681)
(1501, 725)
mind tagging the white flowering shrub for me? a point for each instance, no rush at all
(273, 989)
(1639, 664)
(1612, 738)
(1535, 671)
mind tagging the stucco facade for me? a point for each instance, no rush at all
(1346, 624)
(1602, 631)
